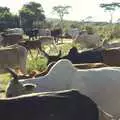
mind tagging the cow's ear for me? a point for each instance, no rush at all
(29, 86)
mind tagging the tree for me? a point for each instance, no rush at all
(88, 19)
(31, 14)
(7, 19)
(4, 10)
(111, 7)
(61, 12)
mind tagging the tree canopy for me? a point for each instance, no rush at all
(61, 12)
(31, 13)
(7, 19)
(111, 7)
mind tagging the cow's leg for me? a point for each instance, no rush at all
(54, 44)
(55, 39)
(31, 53)
(35, 36)
(61, 40)
(32, 37)
(29, 37)
(38, 52)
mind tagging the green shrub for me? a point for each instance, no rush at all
(36, 64)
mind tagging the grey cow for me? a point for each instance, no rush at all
(11, 56)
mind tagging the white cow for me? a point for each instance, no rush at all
(88, 40)
(100, 84)
(74, 32)
(44, 32)
(14, 31)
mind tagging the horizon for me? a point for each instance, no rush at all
(86, 8)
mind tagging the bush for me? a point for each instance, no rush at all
(36, 64)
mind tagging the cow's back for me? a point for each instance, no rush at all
(68, 105)
(111, 57)
(90, 65)
(88, 40)
(11, 39)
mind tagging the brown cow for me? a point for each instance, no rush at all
(111, 56)
(38, 44)
(29, 45)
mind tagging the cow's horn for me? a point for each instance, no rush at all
(45, 54)
(12, 72)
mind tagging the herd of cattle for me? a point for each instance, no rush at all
(100, 85)
(81, 85)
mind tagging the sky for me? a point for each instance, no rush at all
(80, 10)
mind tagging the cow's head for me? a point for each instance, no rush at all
(73, 51)
(15, 88)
